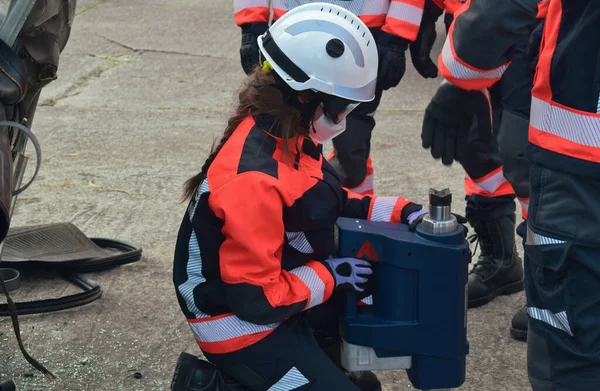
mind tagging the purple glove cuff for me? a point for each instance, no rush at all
(415, 215)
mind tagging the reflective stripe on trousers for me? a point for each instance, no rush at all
(493, 184)
(227, 333)
(562, 281)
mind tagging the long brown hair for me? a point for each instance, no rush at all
(259, 94)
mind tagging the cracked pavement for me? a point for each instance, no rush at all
(144, 87)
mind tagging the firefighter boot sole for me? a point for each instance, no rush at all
(520, 335)
(508, 289)
(520, 325)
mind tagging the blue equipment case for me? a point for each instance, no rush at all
(418, 319)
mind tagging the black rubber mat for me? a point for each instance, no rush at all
(64, 248)
(62, 242)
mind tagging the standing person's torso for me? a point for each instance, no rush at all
(565, 116)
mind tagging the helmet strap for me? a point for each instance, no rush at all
(290, 96)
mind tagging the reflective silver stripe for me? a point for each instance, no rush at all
(368, 300)
(524, 204)
(239, 5)
(524, 207)
(460, 71)
(204, 188)
(280, 5)
(535, 239)
(298, 241)
(405, 12)
(354, 6)
(367, 185)
(311, 279)
(290, 381)
(229, 327)
(492, 183)
(558, 320)
(195, 277)
(598, 107)
(383, 208)
(357, 7)
(375, 7)
(575, 127)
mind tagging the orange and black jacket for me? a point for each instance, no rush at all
(398, 17)
(449, 6)
(250, 248)
(564, 131)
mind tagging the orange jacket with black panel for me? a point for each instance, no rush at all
(250, 248)
(564, 131)
(401, 18)
(449, 6)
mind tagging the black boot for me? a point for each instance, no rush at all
(520, 324)
(8, 386)
(499, 269)
(194, 374)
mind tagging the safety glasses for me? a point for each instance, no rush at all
(336, 108)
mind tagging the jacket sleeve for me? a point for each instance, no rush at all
(404, 18)
(543, 9)
(372, 208)
(257, 289)
(441, 4)
(480, 42)
(251, 11)
(452, 6)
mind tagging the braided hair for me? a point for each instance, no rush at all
(260, 94)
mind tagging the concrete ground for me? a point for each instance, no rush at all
(144, 86)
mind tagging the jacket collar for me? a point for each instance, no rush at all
(272, 127)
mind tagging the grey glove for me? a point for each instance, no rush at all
(348, 273)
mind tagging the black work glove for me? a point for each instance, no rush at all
(249, 53)
(449, 118)
(392, 61)
(411, 213)
(535, 42)
(420, 49)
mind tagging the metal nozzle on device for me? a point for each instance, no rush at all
(440, 219)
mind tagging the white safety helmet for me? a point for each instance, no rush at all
(325, 48)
